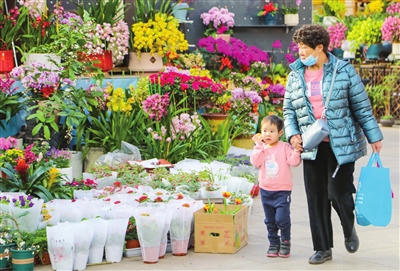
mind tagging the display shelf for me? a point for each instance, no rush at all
(265, 26)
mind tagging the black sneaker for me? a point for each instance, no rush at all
(284, 251)
(273, 251)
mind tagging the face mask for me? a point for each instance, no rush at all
(310, 60)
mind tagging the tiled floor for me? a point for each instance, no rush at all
(379, 246)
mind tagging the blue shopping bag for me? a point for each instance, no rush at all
(373, 204)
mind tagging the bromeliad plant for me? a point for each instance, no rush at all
(268, 8)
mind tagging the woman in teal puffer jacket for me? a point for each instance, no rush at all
(328, 169)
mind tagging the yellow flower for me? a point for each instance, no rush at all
(54, 174)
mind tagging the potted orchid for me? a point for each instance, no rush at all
(219, 22)
(337, 33)
(391, 28)
(110, 37)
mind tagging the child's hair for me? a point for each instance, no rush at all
(275, 120)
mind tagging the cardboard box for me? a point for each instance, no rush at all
(220, 233)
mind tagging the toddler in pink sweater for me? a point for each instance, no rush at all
(274, 159)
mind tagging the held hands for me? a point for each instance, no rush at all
(296, 142)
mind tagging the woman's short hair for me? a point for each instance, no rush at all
(312, 35)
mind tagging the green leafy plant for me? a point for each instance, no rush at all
(37, 239)
(131, 230)
(381, 94)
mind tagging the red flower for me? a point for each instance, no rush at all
(226, 194)
(180, 196)
(21, 166)
(117, 202)
(269, 8)
(158, 199)
(186, 205)
(117, 184)
(47, 91)
(143, 198)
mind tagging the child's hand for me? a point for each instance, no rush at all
(257, 137)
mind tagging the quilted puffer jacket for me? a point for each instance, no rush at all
(349, 114)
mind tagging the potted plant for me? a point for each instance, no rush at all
(368, 32)
(147, 47)
(110, 37)
(333, 10)
(131, 237)
(269, 13)
(22, 253)
(219, 22)
(10, 23)
(381, 96)
(10, 100)
(290, 12)
(391, 28)
(337, 34)
(38, 239)
(62, 161)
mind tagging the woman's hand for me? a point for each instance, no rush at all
(296, 142)
(376, 146)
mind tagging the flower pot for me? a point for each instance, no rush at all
(291, 19)
(163, 249)
(132, 243)
(225, 37)
(329, 20)
(91, 157)
(214, 120)
(338, 52)
(179, 247)
(146, 63)
(244, 142)
(22, 260)
(269, 19)
(45, 259)
(179, 11)
(5, 255)
(44, 59)
(66, 174)
(77, 164)
(346, 50)
(386, 50)
(6, 61)
(150, 254)
(387, 122)
(396, 50)
(372, 51)
(103, 61)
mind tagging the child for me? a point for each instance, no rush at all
(274, 158)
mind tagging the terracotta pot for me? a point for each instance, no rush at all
(179, 247)
(45, 259)
(225, 37)
(133, 243)
(150, 254)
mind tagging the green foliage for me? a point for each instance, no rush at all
(146, 10)
(131, 230)
(37, 239)
(9, 31)
(9, 106)
(103, 11)
(381, 94)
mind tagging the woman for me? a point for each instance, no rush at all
(328, 169)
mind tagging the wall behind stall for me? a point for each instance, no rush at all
(249, 27)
